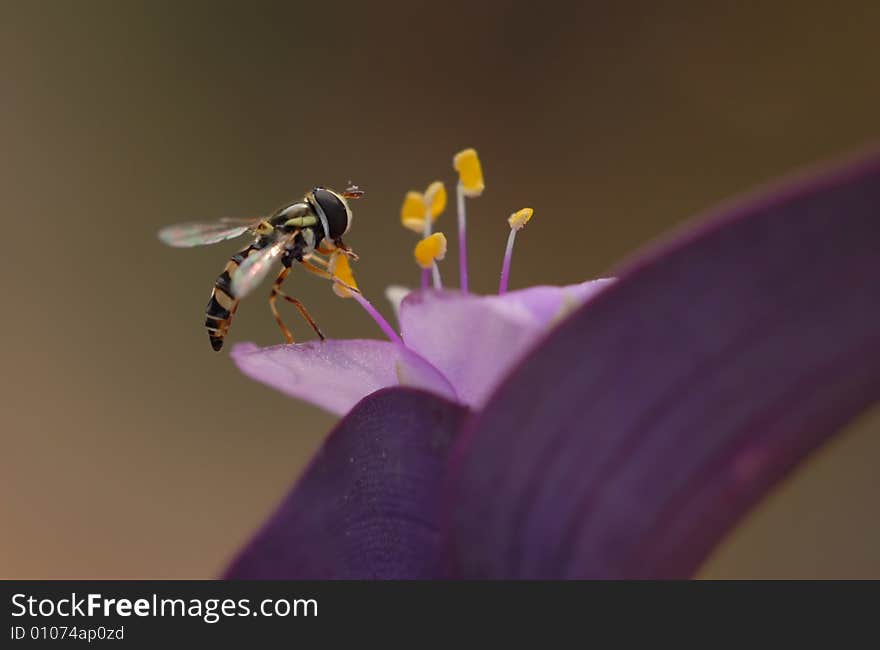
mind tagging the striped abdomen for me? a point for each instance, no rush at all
(222, 304)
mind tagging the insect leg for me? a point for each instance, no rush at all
(311, 268)
(285, 331)
(320, 260)
(276, 291)
(321, 273)
(305, 314)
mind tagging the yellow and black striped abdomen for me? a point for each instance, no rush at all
(222, 304)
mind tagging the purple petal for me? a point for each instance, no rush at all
(474, 340)
(638, 433)
(368, 505)
(336, 375)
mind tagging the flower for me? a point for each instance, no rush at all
(631, 436)
(452, 343)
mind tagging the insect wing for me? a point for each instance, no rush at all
(254, 269)
(187, 235)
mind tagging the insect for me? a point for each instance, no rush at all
(298, 232)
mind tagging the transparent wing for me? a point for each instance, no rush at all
(255, 267)
(187, 235)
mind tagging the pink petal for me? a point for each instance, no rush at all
(473, 340)
(336, 375)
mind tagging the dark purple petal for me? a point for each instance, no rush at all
(642, 428)
(367, 507)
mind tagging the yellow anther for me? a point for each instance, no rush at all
(341, 270)
(412, 212)
(470, 172)
(435, 195)
(520, 218)
(415, 206)
(430, 249)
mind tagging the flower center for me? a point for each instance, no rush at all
(418, 213)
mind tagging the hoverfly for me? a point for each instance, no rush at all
(295, 233)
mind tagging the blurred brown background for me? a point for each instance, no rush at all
(131, 449)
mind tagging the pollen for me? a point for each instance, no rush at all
(430, 249)
(412, 212)
(341, 270)
(520, 218)
(435, 195)
(470, 172)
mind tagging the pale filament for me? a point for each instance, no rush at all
(462, 238)
(505, 266)
(426, 273)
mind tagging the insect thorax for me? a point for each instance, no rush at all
(299, 218)
(302, 245)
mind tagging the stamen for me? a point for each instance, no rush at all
(412, 212)
(462, 240)
(435, 198)
(428, 251)
(435, 192)
(420, 211)
(470, 184)
(426, 232)
(343, 276)
(395, 294)
(383, 324)
(520, 218)
(517, 222)
(470, 172)
(415, 215)
(344, 286)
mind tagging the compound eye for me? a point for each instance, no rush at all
(347, 219)
(335, 210)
